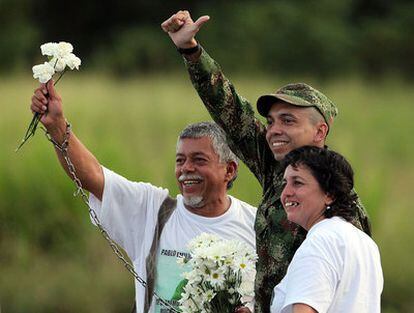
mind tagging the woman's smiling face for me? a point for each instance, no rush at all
(302, 197)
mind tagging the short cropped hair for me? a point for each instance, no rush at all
(334, 175)
(315, 116)
(218, 141)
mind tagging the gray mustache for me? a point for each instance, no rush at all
(184, 177)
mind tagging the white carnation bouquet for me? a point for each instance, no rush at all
(222, 275)
(60, 58)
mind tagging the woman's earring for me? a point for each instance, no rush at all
(328, 207)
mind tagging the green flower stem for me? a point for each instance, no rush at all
(61, 75)
(31, 130)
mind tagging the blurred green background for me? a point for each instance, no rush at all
(132, 96)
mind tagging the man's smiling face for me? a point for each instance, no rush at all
(200, 175)
(290, 127)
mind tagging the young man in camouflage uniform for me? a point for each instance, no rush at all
(297, 115)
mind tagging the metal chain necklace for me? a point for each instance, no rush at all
(63, 148)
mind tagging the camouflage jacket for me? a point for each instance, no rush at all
(276, 238)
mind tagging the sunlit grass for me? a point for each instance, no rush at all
(52, 259)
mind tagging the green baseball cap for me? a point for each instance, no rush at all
(302, 95)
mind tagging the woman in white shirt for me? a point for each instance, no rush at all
(337, 268)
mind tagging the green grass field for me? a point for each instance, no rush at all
(53, 260)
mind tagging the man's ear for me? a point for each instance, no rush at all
(231, 170)
(321, 133)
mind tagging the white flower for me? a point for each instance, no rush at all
(188, 306)
(58, 50)
(193, 277)
(49, 48)
(246, 287)
(217, 265)
(63, 49)
(43, 72)
(203, 240)
(244, 264)
(209, 295)
(72, 61)
(61, 55)
(216, 278)
(58, 64)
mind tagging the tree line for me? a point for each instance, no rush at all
(320, 37)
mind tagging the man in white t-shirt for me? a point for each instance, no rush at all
(205, 168)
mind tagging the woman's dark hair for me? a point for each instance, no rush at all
(334, 175)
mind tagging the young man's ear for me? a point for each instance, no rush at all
(321, 132)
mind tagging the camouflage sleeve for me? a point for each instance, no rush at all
(361, 219)
(245, 133)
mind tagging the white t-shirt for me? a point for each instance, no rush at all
(128, 212)
(337, 269)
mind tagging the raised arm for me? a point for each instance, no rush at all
(245, 133)
(47, 102)
(182, 30)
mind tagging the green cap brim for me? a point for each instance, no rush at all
(265, 102)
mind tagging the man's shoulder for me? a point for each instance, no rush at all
(244, 208)
(111, 176)
(243, 204)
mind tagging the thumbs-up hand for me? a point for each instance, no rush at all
(182, 29)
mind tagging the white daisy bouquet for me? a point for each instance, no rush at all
(60, 58)
(222, 275)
